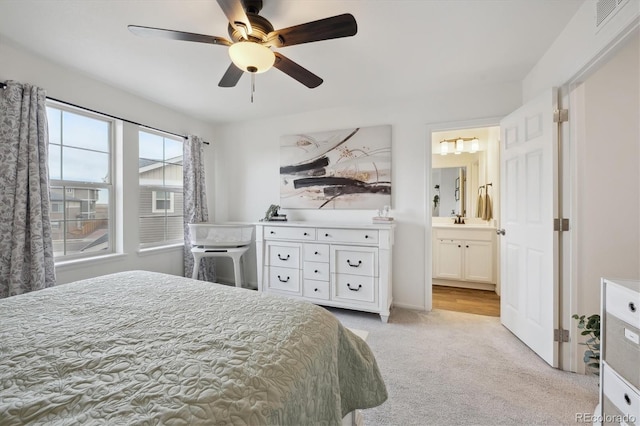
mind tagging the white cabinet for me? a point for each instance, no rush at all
(620, 352)
(464, 254)
(346, 266)
(478, 261)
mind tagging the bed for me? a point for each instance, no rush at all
(147, 348)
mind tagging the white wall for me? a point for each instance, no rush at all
(76, 88)
(578, 45)
(247, 168)
(608, 164)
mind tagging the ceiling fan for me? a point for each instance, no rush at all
(253, 36)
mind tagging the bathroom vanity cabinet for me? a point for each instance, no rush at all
(464, 254)
(342, 265)
(620, 352)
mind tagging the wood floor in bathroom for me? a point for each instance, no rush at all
(480, 302)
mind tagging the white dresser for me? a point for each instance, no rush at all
(341, 265)
(620, 352)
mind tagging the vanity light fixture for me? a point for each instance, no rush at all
(458, 144)
(475, 145)
(444, 147)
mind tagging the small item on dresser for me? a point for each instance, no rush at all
(383, 215)
(382, 219)
(272, 215)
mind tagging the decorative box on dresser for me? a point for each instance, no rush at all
(620, 352)
(341, 265)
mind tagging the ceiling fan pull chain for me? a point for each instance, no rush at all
(253, 85)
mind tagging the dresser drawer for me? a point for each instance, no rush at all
(284, 279)
(316, 271)
(316, 252)
(611, 415)
(285, 255)
(357, 236)
(356, 288)
(623, 397)
(289, 233)
(622, 348)
(355, 261)
(315, 289)
(623, 303)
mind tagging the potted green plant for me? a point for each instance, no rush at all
(590, 326)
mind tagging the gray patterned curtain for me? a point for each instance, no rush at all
(195, 205)
(26, 249)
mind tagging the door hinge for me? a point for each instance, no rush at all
(560, 115)
(560, 335)
(561, 224)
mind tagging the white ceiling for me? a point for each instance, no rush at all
(404, 49)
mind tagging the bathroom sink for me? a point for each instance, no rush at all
(220, 234)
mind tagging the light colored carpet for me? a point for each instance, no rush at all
(446, 368)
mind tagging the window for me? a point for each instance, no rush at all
(81, 193)
(161, 201)
(160, 178)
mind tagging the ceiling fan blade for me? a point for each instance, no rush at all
(231, 76)
(177, 35)
(297, 72)
(324, 29)
(234, 11)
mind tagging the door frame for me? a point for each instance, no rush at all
(571, 97)
(428, 235)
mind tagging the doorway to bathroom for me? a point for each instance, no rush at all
(465, 205)
(469, 300)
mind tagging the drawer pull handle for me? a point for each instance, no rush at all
(316, 271)
(272, 232)
(283, 258)
(305, 234)
(354, 289)
(632, 306)
(627, 399)
(316, 253)
(315, 289)
(283, 281)
(366, 236)
(326, 235)
(354, 265)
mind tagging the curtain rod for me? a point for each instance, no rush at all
(4, 86)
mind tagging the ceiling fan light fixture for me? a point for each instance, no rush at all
(251, 57)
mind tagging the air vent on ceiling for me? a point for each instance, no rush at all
(605, 9)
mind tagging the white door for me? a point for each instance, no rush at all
(529, 289)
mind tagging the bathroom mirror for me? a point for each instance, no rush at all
(449, 192)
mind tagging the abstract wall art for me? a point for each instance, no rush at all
(338, 169)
